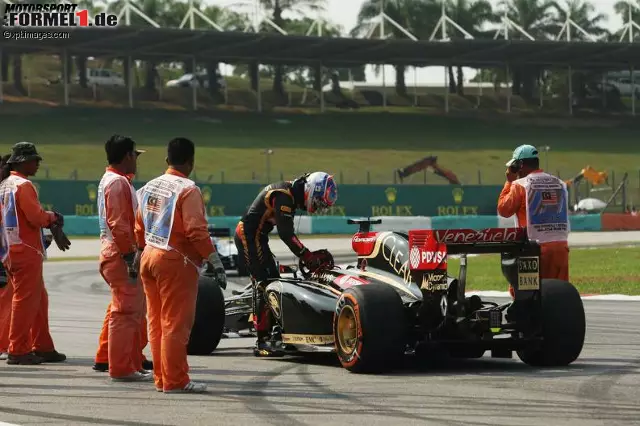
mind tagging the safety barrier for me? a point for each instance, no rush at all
(88, 225)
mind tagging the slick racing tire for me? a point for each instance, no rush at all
(563, 326)
(209, 319)
(369, 328)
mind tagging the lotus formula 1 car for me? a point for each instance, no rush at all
(398, 299)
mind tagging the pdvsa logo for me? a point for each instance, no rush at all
(54, 16)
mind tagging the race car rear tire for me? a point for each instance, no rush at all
(209, 319)
(369, 328)
(563, 327)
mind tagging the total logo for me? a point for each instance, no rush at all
(55, 16)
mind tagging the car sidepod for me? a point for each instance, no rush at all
(304, 310)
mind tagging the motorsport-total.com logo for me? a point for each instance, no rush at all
(54, 16)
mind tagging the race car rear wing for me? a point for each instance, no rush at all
(429, 250)
(472, 241)
(219, 232)
(428, 247)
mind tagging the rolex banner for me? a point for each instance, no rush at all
(78, 198)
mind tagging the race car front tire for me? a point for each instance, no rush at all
(209, 319)
(563, 327)
(369, 328)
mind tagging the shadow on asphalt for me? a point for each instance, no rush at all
(443, 366)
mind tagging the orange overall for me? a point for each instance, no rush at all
(554, 257)
(169, 270)
(102, 355)
(23, 220)
(116, 203)
(6, 296)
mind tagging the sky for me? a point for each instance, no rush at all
(345, 13)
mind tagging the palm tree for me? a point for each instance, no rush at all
(584, 14)
(534, 16)
(276, 8)
(624, 9)
(537, 19)
(470, 15)
(419, 17)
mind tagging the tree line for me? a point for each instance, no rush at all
(542, 19)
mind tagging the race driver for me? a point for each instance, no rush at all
(540, 203)
(275, 205)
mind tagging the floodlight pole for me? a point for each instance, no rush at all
(442, 26)
(630, 25)
(191, 17)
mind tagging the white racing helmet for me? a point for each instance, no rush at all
(320, 192)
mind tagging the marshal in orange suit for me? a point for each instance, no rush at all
(23, 252)
(540, 203)
(171, 225)
(117, 204)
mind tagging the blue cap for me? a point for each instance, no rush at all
(523, 152)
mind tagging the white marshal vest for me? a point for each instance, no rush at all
(547, 201)
(10, 226)
(107, 179)
(157, 200)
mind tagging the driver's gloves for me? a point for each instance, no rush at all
(310, 259)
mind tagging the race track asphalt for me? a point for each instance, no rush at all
(601, 388)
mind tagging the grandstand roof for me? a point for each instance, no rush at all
(231, 47)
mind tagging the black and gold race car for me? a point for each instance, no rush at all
(398, 298)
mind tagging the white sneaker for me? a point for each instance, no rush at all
(191, 387)
(3, 356)
(134, 377)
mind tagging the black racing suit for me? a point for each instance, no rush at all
(275, 205)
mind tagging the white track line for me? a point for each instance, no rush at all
(612, 297)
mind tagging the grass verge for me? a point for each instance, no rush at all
(611, 270)
(357, 148)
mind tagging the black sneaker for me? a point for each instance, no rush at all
(146, 365)
(102, 367)
(26, 359)
(51, 356)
